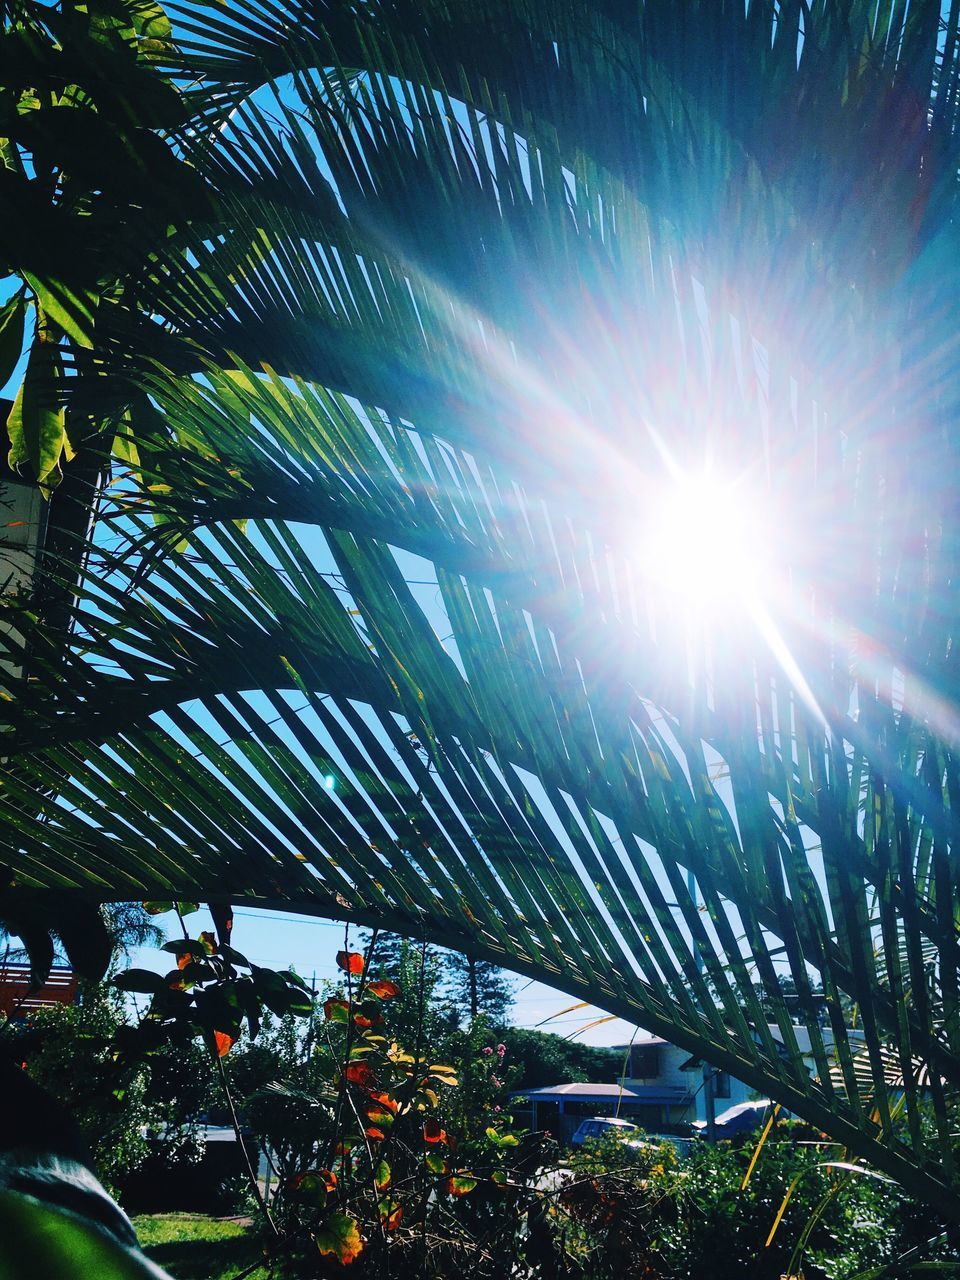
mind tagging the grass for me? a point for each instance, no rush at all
(192, 1246)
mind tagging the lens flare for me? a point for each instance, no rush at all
(706, 542)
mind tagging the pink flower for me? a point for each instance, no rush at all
(494, 1080)
(498, 1108)
(501, 1049)
(487, 1051)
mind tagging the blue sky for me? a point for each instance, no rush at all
(276, 939)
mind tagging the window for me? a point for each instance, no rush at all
(721, 1084)
(644, 1062)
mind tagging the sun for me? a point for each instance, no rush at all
(706, 542)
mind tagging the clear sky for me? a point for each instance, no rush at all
(276, 940)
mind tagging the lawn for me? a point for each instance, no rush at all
(192, 1246)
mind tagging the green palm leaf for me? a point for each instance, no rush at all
(393, 400)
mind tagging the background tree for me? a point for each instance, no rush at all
(70, 1051)
(542, 1058)
(476, 987)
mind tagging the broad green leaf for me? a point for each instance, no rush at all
(74, 312)
(339, 1236)
(35, 425)
(310, 1187)
(12, 317)
(461, 1184)
(140, 980)
(41, 1242)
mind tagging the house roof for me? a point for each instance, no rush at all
(590, 1092)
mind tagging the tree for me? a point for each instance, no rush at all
(545, 1059)
(367, 622)
(421, 1012)
(70, 1052)
(478, 987)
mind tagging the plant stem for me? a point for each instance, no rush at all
(251, 1172)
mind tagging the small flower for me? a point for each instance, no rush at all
(487, 1051)
(501, 1049)
(494, 1080)
(498, 1108)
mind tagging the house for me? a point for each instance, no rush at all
(663, 1089)
(653, 1065)
(560, 1108)
(16, 998)
(657, 1070)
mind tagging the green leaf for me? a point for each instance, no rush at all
(502, 1139)
(186, 947)
(461, 1184)
(339, 1236)
(310, 1188)
(36, 421)
(12, 318)
(149, 20)
(335, 1010)
(275, 993)
(143, 981)
(73, 311)
(41, 1242)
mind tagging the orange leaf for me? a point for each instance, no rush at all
(339, 1236)
(432, 1132)
(390, 1213)
(363, 1023)
(383, 990)
(359, 1073)
(184, 960)
(385, 1101)
(375, 1135)
(350, 961)
(209, 942)
(224, 1043)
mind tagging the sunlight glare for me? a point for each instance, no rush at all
(705, 542)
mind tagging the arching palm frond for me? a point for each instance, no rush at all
(369, 628)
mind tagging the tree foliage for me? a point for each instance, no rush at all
(543, 1059)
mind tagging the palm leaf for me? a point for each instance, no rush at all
(396, 397)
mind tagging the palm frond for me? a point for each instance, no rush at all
(365, 630)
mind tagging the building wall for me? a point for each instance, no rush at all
(669, 1074)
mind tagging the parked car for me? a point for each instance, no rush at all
(599, 1127)
(740, 1119)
